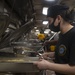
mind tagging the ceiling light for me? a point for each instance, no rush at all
(45, 22)
(49, 0)
(45, 10)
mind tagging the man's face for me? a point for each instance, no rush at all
(56, 20)
(54, 24)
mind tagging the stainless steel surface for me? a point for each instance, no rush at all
(20, 65)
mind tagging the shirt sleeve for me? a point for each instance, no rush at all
(72, 51)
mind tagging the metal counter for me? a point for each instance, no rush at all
(8, 65)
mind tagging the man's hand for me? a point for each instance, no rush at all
(60, 68)
(48, 55)
(42, 64)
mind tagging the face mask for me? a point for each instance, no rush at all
(54, 28)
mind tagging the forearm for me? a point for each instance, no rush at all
(62, 68)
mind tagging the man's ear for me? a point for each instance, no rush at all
(59, 18)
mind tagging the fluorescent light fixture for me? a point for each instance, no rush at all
(49, 0)
(44, 10)
(45, 22)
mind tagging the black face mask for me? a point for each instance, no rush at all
(54, 28)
